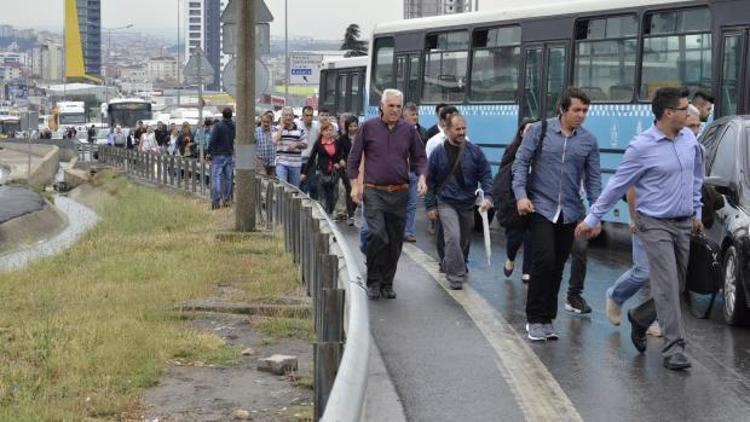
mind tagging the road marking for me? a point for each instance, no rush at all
(537, 392)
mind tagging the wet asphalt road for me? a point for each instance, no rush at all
(596, 364)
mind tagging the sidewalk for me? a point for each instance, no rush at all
(441, 365)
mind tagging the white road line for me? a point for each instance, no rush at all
(537, 392)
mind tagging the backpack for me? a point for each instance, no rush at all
(704, 275)
(506, 211)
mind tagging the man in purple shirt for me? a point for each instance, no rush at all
(665, 164)
(389, 143)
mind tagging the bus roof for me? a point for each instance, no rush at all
(514, 13)
(127, 100)
(345, 62)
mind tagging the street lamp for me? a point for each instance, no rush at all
(109, 53)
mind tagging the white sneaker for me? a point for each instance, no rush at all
(613, 311)
(654, 329)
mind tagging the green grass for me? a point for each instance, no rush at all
(304, 90)
(82, 334)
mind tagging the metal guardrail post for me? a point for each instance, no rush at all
(296, 217)
(328, 349)
(270, 206)
(326, 358)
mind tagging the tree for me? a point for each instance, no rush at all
(352, 43)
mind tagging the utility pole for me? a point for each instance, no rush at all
(179, 64)
(286, 52)
(244, 212)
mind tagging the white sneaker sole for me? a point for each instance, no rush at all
(532, 338)
(574, 310)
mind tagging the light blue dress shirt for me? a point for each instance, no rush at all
(667, 175)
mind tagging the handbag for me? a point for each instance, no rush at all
(704, 269)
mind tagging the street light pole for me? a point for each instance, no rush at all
(109, 54)
(245, 143)
(179, 64)
(286, 52)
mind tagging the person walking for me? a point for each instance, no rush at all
(665, 164)
(265, 153)
(91, 135)
(455, 169)
(389, 143)
(350, 128)
(290, 143)
(563, 157)
(221, 149)
(310, 132)
(162, 135)
(411, 115)
(148, 141)
(326, 158)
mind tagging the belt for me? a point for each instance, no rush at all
(388, 188)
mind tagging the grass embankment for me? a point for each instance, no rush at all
(83, 334)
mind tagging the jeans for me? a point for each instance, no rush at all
(552, 243)
(222, 172)
(514, 239)
(363, 230)
(577, 267)
(411, 209)
(288, 174)
(633, 279)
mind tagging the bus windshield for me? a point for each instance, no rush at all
(72, 118)
(128, 114)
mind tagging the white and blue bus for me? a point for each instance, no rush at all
(342, 85)
(500, 67)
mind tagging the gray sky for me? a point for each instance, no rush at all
(322, 19)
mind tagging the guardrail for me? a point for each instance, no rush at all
(328, 268)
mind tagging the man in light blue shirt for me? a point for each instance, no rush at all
(665, 164)
(567, 156)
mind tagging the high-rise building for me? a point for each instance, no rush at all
(203, 31)
(423, 8)
(83, 40)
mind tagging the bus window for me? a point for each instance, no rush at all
(556, 81)
(445, 67)
(329, 96)
(382, 77)
(676, 51)
(496, 64)
(731, 57)
(533, 68)
(356, 99)
(605, 57)
(341, 95)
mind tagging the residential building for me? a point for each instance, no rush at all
(162, 69)
(134, 73)
(10, 71)
(47, 61)
(203, 33)
(424, 8)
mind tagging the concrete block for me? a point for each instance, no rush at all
(278, 364)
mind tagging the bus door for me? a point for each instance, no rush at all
(408, 74)
(734, 97)
(545, 78)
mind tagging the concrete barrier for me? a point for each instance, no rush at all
(44, 172)
(31, 228)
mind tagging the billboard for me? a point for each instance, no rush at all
(304, 68)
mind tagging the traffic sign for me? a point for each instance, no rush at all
(262, 28)
(199, 70)
(262, 78)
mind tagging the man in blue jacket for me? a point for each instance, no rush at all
(221, 148)
(455, 169)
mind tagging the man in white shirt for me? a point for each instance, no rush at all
(438, 139)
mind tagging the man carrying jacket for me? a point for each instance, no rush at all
(455, 169)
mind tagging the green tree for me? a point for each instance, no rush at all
(352, 43)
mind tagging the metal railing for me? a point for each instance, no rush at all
(327, 265)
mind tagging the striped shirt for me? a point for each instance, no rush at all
(265, 151)
(286, 154)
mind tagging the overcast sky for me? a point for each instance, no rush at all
(322, 19)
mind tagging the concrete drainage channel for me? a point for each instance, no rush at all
(328, 268)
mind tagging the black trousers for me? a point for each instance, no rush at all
(577, 266)
(328, 194)
(552, 243)
(385, 213)
(514, 239)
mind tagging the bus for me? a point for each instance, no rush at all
(9, 125)
(499, 67)
(126, 112)
(342, 85)
(71, 113)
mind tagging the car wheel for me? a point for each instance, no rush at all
(735, 306)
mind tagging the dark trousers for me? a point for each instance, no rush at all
(350, 205)
(552, 243)
(514, 239)
(577, 266)
(310, 185)
(327, 194)
(385, 213)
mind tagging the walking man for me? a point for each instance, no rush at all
(411, 115)
(455, 169)
(221, 149)
(665, 164)
(389, 144)
(290, 142)
(561, 157)
(265, 153)
(310, 131)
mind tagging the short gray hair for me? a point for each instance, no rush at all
(390, 92)
(411, 108)
(693, 111)
(287, 109)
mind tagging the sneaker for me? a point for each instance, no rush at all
(410, 238)
(577, 304)
(613, 311)
(456, 285)
(215, 206)
(536, 332)
(508, 268)
(654, 329)
(525, 278)
(549, 331)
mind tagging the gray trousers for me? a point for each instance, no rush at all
(667, 245)
(457, 225)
